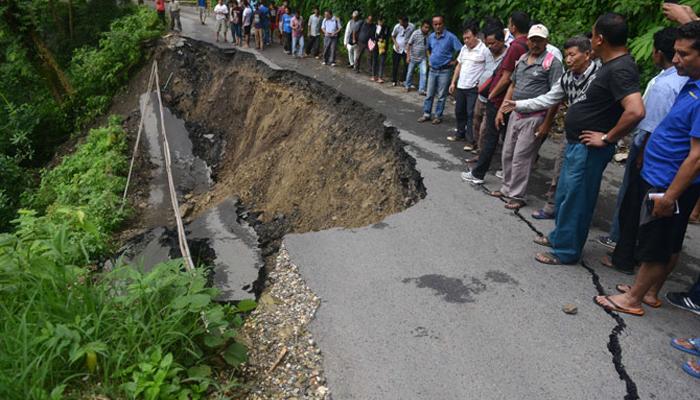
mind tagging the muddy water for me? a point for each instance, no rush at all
(215, 237)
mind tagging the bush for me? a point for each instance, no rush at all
(12, 180)
(90, 180)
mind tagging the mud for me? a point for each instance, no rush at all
(295, 151)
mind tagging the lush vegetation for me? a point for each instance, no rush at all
(564, 18)
(59, 71)
(71, 329)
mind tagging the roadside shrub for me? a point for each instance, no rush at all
(12, 180)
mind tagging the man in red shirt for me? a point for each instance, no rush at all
(518, 25)
(160, 9)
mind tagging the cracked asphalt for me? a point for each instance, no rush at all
(445, 300)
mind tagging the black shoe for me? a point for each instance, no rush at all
(683, 301)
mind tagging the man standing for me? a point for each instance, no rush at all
(416, 56)
(670, 181)
(221, 14)
(330, 28)
(659, 97)
(442, 44)
(160, 10)
(314, 33)
(610, 107)
(297, 35)
(247, 22)
(535, 74)
(570, 88)
(175, 15)
(265, 23)
(399, 36)
(518, 24)
(364, 34)
(471, 63)
(350, 37)
(202, 6)
(287, 31)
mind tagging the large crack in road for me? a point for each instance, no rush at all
(614, 338)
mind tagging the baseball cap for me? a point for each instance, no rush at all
(538, 30)
(355, 13)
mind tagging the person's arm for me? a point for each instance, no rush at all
(500, 115)
(323, 27)
(634, 112)
(543, 130)
(408, 50)
(501, 85)
(686, 175)
(455, 76)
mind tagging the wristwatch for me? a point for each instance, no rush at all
(605, 139)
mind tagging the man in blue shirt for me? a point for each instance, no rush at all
(659, 97)
(670, 181)
(442, 45)
(287, 32)
(265, 21)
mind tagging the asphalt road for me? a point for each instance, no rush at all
(445, 300)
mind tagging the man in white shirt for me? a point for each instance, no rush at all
(399, 36)
(473, 62)
(350, 34)
(330, 27)
(221, 12)
(247, 23)
(175, 15)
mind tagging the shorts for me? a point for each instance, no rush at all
(221, 25)
(658, 239)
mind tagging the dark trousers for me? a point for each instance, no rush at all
(314, 45)
(628, 218)
(491, 136)
(161, 16)
(287, 41)
(464, 112)
(398, 70)
(378, 61)
(359, 52)
(694, 292)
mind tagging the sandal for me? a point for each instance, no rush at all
(692, 368)
(542, 214)
(542, 241)
(622, 288)
(614, 307)
(497, 193)
(471, 160)
(607, 262)
(689, 346)
(515, 205)
(547, 258)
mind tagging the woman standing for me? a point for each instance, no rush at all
(297, 35)
(379, 51)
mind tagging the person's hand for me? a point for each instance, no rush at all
(508, 106)
(679, 13)
(452, 88)
(663, 207)
(500, 119)
(592, 139)
(542, 131)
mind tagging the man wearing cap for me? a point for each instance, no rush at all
(350, 38)
(536, 72)
(442, 45)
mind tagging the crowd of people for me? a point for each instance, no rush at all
(508, 83)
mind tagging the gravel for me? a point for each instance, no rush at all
(284, 360)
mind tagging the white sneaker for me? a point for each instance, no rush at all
(468, 177)
(499, 174)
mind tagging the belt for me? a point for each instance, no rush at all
(443, 67)
(519, 115)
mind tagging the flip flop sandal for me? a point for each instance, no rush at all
(614, 307)
(676, 344)
(542, 241)
(542, 214)
(514, 205)
(547, 258)
(622, 288)
(471, 160)
(692, 368)
(607, 262)
(496, 193)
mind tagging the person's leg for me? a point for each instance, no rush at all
(432, 89)
(317, 46)
(491, 136)
(172, 20)
(351, 55)
(423, 75)
(461, 112)
(579, 185)
(515, 126)
(549, 207)
(524, 153)
(301, 46)
(472, 95)
(479, 109)
(443, 77)
(695, 215)
(630, 164)
(334, 47)
(395, 58)
(623, 257)
(326, 49)
(295, 42)
(409, 75)
(382, 64)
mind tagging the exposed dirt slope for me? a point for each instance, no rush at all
(289, 146)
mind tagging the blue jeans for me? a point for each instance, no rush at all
(438, 81)
(577, 193)
(300, 42)
(422, 74)
(266, 34)
(637, 143)
(236, 31)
